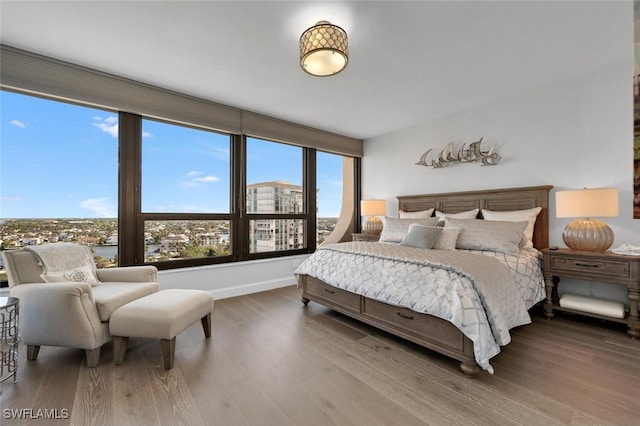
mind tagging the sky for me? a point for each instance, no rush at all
(59, 160)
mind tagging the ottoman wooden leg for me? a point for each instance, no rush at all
(32, 352)
(206, 325)
(119, 349)
(168, 352)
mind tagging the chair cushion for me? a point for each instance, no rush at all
(111, 295)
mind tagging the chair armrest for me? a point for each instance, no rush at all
(145, 273)
(49, 293)
(59, 314)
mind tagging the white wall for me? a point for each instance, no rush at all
(230, 279)
(234, 279)
(571, 134)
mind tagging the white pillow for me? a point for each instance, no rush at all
(78, 274)
(447, 238)
(423, 214)
(528, 215)
(478, 234)
(469, 214)
(421, 236)
(394, 230)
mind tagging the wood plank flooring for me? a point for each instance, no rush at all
(272, 361)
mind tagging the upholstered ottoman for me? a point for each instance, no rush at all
(162, 315)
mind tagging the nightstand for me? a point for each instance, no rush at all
(606, 267)
(365, 237)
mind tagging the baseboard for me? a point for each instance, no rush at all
(241, 290)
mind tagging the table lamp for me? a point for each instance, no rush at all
(587, 234)
(373, 208)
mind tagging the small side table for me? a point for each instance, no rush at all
(365, 237)
(9, 309)
(605, 267)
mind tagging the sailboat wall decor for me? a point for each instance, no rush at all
(449, 156)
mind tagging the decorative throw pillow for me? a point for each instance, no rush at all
(421, 236)
(81, 273)
(477, 234)
(469, 214)
(423, 214)
(447, 238)
(394, 230)
(66, 262)
(528, 215)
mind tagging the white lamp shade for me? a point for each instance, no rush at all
(373, 207)
(587, 203)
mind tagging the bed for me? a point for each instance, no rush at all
(327, 277)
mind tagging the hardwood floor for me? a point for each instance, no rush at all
(271, 361)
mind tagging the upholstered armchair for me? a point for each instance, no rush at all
(71, 313)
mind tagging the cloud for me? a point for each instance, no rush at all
(147, 134)
(206, 179)
(18, 123)
(195, 178)
(108, 125)
(214, 151)
(5, 199)
(99, 206)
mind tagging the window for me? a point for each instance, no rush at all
(330, 180)
(185, 193)
(274, 187)
(184, 170)
(59, 174)
(169, 240)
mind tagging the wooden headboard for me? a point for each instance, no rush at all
(493, 199)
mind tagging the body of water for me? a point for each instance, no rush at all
(109, 252)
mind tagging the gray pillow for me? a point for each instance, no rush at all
(498, 236)
(420, 236)
(394, 230)
(447, 239)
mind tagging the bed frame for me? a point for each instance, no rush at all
(426, 330)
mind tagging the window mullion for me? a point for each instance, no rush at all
(240, 225)
(130, 148)
(310, 190)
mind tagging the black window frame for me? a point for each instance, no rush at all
(131, 218)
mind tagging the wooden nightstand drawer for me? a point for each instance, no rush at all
(413, 323)
(333, 295)
(597, 267)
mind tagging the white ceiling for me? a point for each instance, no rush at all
(410, 61)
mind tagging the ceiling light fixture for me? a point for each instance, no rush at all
(324, 49)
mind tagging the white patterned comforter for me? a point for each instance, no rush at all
(472, 290)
